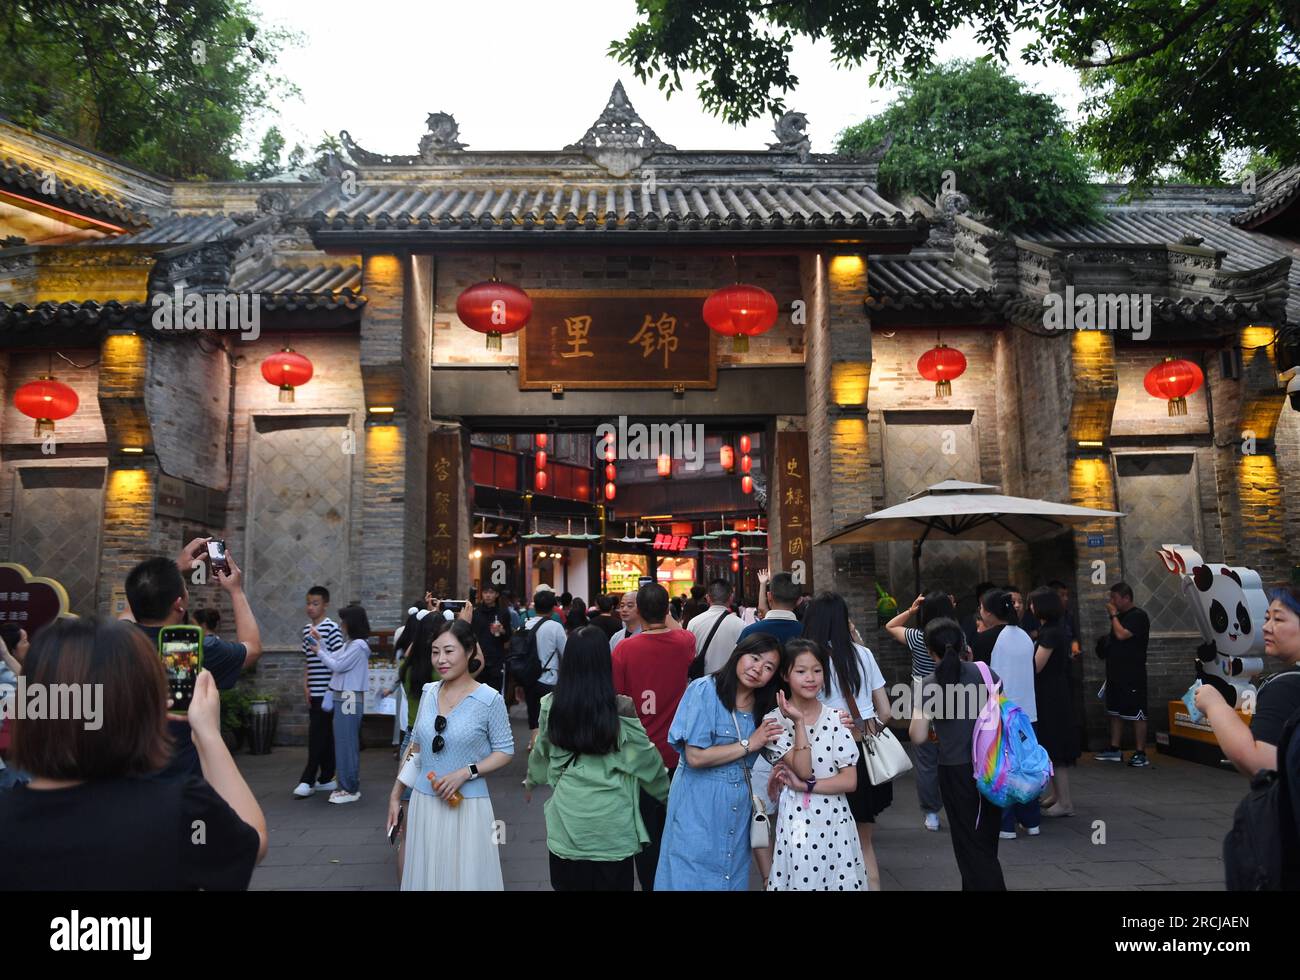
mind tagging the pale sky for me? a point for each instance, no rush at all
(533, 75)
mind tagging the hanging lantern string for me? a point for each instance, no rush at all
(80, 367)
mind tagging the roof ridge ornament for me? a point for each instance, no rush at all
(792, 138)
(442, 136)
(619, 140)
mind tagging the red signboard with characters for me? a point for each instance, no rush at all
(29, 601)
(671, 542)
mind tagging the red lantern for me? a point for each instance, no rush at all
(735, 543)
(583, 491)
(744, 444)
(740, 311)
(610, 454)
(746, 464)
(941, 365)
(494, 308)
(664, 466)
(539, 481)
(46, 400)
(727, 457)
(540, 459)
(1174, 379)
(735, 565)
(746, 484)
(609, 490)
(288, 369)
(541, 440)
(610, 472)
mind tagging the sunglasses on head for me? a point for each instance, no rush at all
(439, 743)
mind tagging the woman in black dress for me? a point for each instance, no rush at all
(1055, 727)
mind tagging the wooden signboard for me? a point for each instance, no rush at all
(442, 537)
(795, 506)
(625, 339)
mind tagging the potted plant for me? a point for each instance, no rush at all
(262, 722)
(234, 715)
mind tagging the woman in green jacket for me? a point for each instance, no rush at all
(593, 750)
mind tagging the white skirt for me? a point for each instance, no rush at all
(451, 849)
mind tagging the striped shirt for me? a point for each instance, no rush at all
(922, 661)
(318, 675)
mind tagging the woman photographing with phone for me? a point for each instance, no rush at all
(461, 734)
(718, 729)
(346, 697)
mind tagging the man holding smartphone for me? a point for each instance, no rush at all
(156, 593)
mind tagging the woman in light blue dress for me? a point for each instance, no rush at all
(718, 731)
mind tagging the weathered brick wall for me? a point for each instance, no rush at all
(1287, 440)
(187, 397)
(86, 425)
(454, 343)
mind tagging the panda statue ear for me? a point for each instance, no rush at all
(1231, 574)
(1203, 578)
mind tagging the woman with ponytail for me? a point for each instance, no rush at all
(951, 699)
(1055, 728)
(1007, 648)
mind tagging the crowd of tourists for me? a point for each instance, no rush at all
(688, 742)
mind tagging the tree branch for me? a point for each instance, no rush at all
(1178, 30)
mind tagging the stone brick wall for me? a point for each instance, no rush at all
(187, 397)
(454, 343)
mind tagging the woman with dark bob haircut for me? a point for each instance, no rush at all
(592, 748)
(706, 838)
(90, 726)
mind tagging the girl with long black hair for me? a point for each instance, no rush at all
(950, 699)
(593, 750)
(1055, 727)
(853, 674)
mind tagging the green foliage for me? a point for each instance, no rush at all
(164, 86)
(1008, 147)
(1172, 83)
(234, 709)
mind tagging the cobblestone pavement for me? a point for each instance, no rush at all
(1163, 830)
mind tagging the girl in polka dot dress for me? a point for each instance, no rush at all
(815, 762)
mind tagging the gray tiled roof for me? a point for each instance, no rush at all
(1276, 191)
(923, 279)
(1245, 250)
(311, 287)
(694, 205)
(179, 229)
(79, 196)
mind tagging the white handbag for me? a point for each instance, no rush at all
(760, 827)
(410, 770)
(885, 757)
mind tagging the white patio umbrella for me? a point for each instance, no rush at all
(958, 511)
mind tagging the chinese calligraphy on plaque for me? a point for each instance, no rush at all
(631, 339)
(442, 542)
(795, 502)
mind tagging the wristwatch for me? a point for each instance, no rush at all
(473, 771)
(744, 744)
(812, 783)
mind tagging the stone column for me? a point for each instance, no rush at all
(394, 348)
(837, 370)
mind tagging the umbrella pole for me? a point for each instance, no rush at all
(916, 563)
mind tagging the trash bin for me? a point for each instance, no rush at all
(261, 728)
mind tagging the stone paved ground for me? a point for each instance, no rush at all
(1164, 830)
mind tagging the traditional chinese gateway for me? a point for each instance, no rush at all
(417, 455)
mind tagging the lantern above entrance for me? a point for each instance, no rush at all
(46, 400)
(1174, 379)
(727, 457)
(941, 364)
(494, 308)
(740, 311)
(288, 369)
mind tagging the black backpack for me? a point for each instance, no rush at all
(1259, 853)
(524, 664)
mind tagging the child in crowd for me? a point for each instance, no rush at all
(319, 773)
(817, 846)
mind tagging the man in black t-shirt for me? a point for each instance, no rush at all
(156, 593)
(492, 628)
(1125, 651)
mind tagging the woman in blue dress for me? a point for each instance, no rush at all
(718, 730)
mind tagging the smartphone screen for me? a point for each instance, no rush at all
(455, 605)
(217, 555)
(181, 649)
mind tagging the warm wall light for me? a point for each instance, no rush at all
(847, 265)
(132, 449)
(381, 409)
(850, 381)
(1091, 443)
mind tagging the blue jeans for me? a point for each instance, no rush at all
(1026, 814)
(347, 740)
(11, 777)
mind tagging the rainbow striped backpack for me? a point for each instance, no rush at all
(1010, 765)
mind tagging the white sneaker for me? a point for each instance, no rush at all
(341, 796)
(327, 787)
(1033, 831)
(302, 791)
(1007, 834)
(932, 821)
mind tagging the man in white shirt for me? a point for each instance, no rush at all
(632, 623)
(718, 614)
(550, 648)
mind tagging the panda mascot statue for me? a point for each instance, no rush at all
(1229, 604)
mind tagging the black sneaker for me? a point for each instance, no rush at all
(1139, 760)
(1110, 755)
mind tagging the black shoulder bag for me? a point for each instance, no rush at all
(696, 670)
